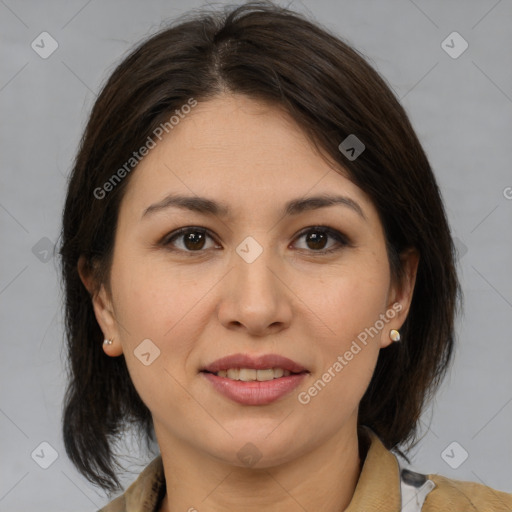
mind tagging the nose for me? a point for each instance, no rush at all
(255, 298)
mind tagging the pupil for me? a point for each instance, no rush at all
(317, 240)
(194, 240)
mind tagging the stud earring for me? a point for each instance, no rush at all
(394, 335)
(108, 342)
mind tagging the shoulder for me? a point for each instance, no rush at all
(462, 496)
(145, 493)
(384, 474)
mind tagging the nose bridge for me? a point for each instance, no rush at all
(252, 263)
(255, 297)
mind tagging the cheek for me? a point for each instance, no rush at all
(349, 303)
(165, 304)
(151, 296)
(347, 356)
(163, 307)
(348, 300)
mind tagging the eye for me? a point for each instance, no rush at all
(195, 239)
(316, 238)
(190, 239)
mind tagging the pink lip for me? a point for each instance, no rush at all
(255, 393)
(258, 363)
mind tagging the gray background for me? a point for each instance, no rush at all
(461, 109)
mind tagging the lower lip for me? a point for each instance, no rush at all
(255, 392)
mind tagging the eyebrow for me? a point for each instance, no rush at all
(209, 207)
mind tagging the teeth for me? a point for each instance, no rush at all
(233, 373)
(250, 374)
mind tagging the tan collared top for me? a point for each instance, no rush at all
(384, 485)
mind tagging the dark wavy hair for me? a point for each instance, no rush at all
(276, 55)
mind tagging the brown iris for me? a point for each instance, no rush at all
(194, 240)
(316, 240)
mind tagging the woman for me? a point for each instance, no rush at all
(259, 271)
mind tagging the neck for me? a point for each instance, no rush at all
(322, 479)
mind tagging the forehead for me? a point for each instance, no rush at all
(243, 150)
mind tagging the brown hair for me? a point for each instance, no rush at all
(269, 53)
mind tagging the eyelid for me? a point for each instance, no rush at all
(341, 239)
(165, 241)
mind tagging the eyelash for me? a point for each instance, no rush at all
(342, 240)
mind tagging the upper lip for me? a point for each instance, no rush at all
(255, 362)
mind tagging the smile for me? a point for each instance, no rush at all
(250, 374)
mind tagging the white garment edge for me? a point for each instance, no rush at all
(414, 488)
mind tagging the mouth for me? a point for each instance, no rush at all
(251, 368)
(254, 380)
(251, 374)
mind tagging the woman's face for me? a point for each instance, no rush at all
(262, 270)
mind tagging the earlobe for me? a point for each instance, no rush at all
(112, 347)
(105, 317)
(401, 297)
(103, 309)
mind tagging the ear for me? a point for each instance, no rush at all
(400, 296)
(103, 308)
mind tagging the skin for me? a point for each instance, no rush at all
(198, 306)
